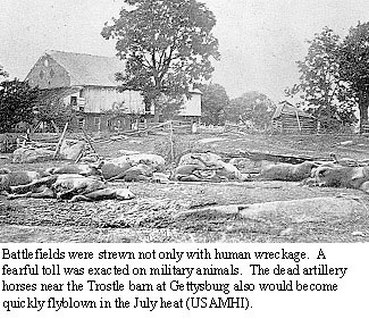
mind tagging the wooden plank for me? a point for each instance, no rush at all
(150, 129)
(80, 155)
(62, 137)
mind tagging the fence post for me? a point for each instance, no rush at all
(171, 141)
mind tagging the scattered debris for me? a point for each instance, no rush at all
(301, 210)
(346, 143)
(118, 138)
(286, 232)
(358, 234)
(211, 140)
(127, 152)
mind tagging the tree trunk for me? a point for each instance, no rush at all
(363, 107)
(156, 110)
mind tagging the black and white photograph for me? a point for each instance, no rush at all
(184, 121)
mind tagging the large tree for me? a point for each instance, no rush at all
(321, 89)
(168, 46)
(213, 104)
(17, 103)
(354, 66)
(251, 108)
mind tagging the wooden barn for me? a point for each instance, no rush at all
(87, 83)
(289, 119)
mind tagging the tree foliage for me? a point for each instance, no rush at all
(17, 102)
(3, 73)
(52, 111)
(120, 111)
(251, 108)
(322, 91)
(213, 104)
(354, 66)
(167, 45)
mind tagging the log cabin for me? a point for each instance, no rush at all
(87, 83)
(289, 119)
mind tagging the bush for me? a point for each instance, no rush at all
(17, 103)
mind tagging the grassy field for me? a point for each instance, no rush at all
(190, 212)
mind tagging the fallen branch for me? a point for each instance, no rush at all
(283, 158)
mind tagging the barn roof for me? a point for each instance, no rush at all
(94, 70)
(87, 69)
(286, 108)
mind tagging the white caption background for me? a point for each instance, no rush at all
(185, 280)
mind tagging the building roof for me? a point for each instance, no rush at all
(87, 69)
(286, 108)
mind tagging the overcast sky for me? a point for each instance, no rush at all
(260, 40)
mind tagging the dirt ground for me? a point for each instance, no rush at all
(190, 212)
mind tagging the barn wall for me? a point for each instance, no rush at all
(47, 74)
(192, 107)
(100, 99)
(288, 125)
(96, 122)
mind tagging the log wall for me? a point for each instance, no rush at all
(289, 125)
